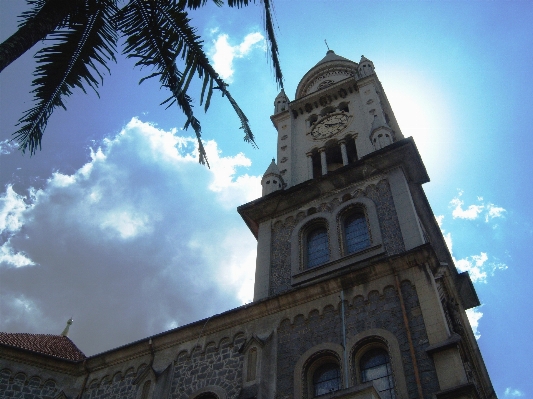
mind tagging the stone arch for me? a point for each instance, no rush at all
(35, 381)
(378, 337)
(129, 372)
(311, 358)
(215, 390)
(369, 208)
(20, 377)
(117, 377)
(238, 335)
(106, 380)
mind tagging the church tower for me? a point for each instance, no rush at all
(356, 294)
(348, 230)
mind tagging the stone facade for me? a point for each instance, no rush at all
(399, 296)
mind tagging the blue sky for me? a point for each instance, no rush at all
(115, 223)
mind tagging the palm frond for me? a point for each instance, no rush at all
(150, 40)
(270, 32)
(189, 47)
(74, 59)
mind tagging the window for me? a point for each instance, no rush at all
(356, 233)
(317, 247)
(375, 366)
(326, 379)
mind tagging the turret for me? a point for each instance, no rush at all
(281, 102)
(381, 135)
(366, 67)
(271, 180)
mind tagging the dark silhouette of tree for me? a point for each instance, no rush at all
(83, 37)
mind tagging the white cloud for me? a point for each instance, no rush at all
(494, 211)
(513, 393)
(223, 53)
(7, 146)
(138, 240)
(478, 268)
(473, 317)
(473, 211)
(12, 207)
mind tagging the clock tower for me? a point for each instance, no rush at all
(344, 222)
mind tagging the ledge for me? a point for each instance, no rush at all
(401, 153)
(327, 268)
(468, 389)
(361, 391)
(467, 292)
(442, 346)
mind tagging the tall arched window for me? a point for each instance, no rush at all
(317, 247)
(375, 366)
(356, 233)
(326, 379)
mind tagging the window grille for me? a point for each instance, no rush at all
(326, 379)
(376, 367)
(356, 233)
(317, 247)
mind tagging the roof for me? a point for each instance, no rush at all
(47, 344)
(272, 169)
(331, 56)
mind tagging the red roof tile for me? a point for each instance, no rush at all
(52, 345)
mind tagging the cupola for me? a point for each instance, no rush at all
(381, 135)
(281, 103)
(366, 67)
(271, 180)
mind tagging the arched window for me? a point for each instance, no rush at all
(356, 233)
(326, 379)
(317, 247)
(375, 366)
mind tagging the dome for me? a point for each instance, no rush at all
(329, 70)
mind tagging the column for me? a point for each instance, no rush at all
(323, 161)
(310, 165)
(343, 152)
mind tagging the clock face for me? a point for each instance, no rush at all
(330, 126)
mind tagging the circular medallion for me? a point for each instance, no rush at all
(329, 126)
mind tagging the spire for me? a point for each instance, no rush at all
(281, 102)
(366, 67)
(272, 169)
(331, 56)
(65, 331)
(272, 180)
(377, 123)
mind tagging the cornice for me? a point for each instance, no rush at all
(402, 153)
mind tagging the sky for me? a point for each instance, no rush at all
(115, 224)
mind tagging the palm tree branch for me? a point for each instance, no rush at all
(71, 61)
(192, 51)
(154, 46)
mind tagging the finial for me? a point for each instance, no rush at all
(273, 159)
(327, 45)
(65, 331)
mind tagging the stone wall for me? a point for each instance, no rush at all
(380, 193)
(118, 386)
(20, 385)
(377, 311)
(221, 367)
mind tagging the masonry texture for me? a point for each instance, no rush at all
(119, 386)
(20, 386)
(380, 193)
(220, 367)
